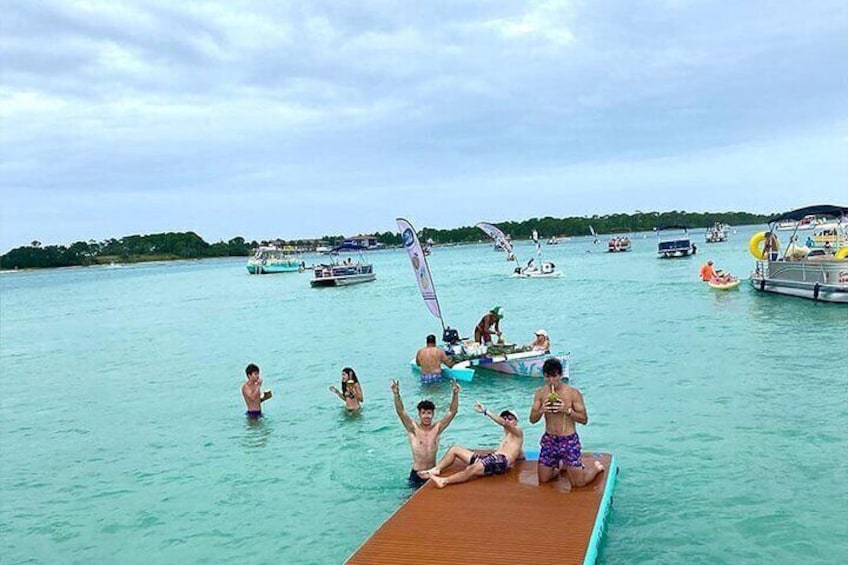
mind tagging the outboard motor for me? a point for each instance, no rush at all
(450, 336)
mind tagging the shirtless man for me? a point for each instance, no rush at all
(491, 320)
(496, 463)
(251, 391)
(562, 406)
(430, 359)
(424, 435)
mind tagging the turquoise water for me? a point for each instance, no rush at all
(123, 438)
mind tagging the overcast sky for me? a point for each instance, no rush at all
(298, 119)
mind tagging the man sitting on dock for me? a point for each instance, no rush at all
(424, 435)
(562, 406)
(495, 463)
(430, 359)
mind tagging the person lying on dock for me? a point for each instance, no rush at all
(562, 406)
(424, 435)
(430, 359)
(495, 463)
(352, 395)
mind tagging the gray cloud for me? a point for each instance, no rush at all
(316, 102)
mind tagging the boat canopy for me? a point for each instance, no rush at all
(819, 210)
(349, 246)
(673, 227)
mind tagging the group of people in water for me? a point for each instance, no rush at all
(560, 405)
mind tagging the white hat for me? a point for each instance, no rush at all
(542, 332)
(511, 413)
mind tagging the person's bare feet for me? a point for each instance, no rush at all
(599, 466)
(441, 482)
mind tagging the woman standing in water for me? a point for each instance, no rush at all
(351, 392)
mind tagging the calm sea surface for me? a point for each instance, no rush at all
(123, 436)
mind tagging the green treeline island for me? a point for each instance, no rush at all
(189, 245)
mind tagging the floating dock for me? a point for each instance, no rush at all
(506, 519)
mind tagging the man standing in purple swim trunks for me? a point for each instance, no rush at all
(562, 406)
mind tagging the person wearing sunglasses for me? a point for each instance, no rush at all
(479, 465)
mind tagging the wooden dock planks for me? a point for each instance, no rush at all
(507, 519)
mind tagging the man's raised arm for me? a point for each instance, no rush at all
(404, 417)
(454, 407)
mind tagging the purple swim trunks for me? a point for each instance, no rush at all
(557, 449)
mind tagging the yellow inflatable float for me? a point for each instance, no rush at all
(725, 284)
(841, 253)
(757, 245)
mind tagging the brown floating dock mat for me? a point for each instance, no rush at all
(508, 519)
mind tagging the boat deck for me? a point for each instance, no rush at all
(505, 519)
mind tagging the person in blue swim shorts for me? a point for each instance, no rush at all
(563, 408)
(430, 359)
(424, 434)
(483, 465)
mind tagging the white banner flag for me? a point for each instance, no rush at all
(419, 265)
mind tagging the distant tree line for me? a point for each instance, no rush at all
(576, 226)
(131, 248)
(189, 245)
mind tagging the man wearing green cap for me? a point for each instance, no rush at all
(490, 321)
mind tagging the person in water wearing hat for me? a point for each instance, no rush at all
(490, 320)
(542, 341)
(497, 462)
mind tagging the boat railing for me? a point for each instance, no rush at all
(674, 244)
(827, 271)
(341, 270)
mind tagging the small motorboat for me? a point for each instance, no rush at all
(546, 270)
(510, 359)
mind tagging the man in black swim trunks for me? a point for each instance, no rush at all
(251, 391)
(424, 435)
(495, 463)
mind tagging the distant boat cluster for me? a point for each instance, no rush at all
(813, 263)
